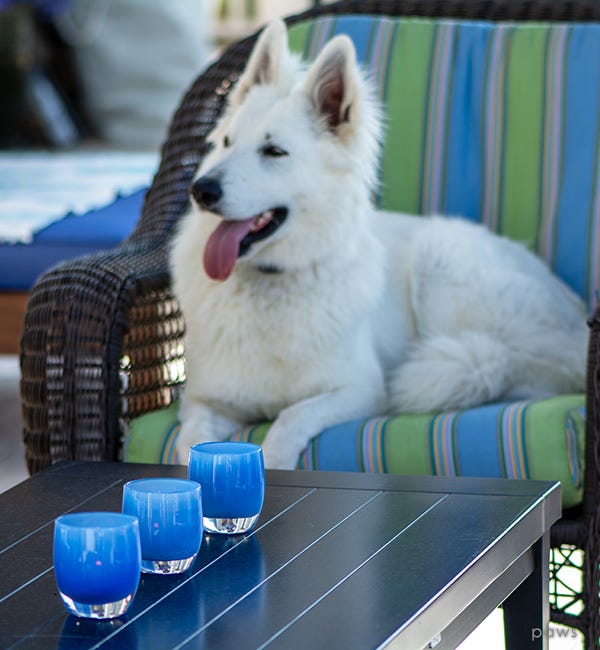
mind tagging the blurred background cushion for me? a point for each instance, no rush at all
(101, 193)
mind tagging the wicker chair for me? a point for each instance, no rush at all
(103, 335)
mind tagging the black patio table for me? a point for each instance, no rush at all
(336, 560)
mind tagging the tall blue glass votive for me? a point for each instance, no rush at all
(97, 561)
(232, 476)
(170, 515)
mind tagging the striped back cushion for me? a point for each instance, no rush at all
(497, 122)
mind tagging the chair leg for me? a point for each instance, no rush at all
(591, 584)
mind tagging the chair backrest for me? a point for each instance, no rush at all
(496, 121)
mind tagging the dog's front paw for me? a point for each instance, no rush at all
(188, 437)
(199, 423)
(279, 457)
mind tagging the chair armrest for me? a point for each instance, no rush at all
(102, 343)
(103, 337)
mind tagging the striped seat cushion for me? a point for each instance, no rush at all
(541, 439)
(498, 122)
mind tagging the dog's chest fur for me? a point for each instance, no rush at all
(259, 342)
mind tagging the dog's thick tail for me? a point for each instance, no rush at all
(452, 372)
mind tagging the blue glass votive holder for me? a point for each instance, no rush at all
(232, 476)
(170, 516)
(97, 561)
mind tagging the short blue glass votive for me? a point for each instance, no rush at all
(97, 561)
(232, 476)
(170, 516)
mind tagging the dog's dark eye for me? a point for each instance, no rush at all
(226, 141)
(273, 151)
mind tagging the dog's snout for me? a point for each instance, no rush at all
(207, 191)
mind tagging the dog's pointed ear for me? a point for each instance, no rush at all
(331, 83)
(269, 62)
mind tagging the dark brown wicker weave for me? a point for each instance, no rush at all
(102, 338)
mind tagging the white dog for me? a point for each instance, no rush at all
(305, 306)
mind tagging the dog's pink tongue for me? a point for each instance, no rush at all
(222, 247)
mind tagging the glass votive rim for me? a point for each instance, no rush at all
(100, 519)
(227, 447)
(162, 485)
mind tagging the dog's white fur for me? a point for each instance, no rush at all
(370, 313)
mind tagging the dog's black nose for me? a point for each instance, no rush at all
(207, 191)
